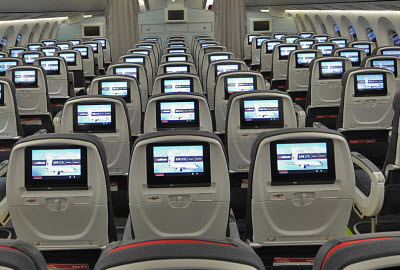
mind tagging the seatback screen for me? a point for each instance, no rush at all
(321, 38)
(30, 57)
(115, 88)
(366, 47)
(261, 113)
(208, 45)
(84, 52)
(49, 42)
(176, 69)
(16, 52)
(306, 35)
(94, 117)
(239, 84)
(127, 71)
(284, 51)
(49, 51)
(145, 46)
(303, 60)
(177, 59)
(176, 45)
(271, 45)
(389, 64)
(325, 49)
(150, 39)
(354, 57)
(370, 85)
(102, 42)
(250, 38)
(331, 69)
(177, 51)
(25, 78)
(225, 68)
(70, 58)
(94, 46)
(279, 36)
(139, 60)
(306, 44)
(176, 85)
(141, 52)
(219, 57)
(393, 52)
(52, 67)
(291, 39)
(5, 65)
(177, 114)
(259, 42)
(34, 47)
(74, 42)
(63, 46)
(178, 165)
(299, 162)
(340, 42)
(56, 167)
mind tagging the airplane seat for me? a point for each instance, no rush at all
(326, 48)
(76, 75)
(208, 59)
(366, 113)
(267, 48)
(298, 74)
(321, 38)
(156, 45)
(105, 43)
(20, 255)
(306, 43)
(325, 88)
(233, 82)
(290, 39)
(57, 81)
(47, 207)
(48, 42)
(136, 71)
(98, 56)
(305, 35)
(63, 45)
(387, 50)
(176, 50)
(356, 55)
(15, 51)
(152, 47)
(248, 38)
(34, 46)
(367, 251)
(32, 98)
(248, 115)
(106, 117)
(340, 41)
(7, 62)
(88, 61)
(214, 70)
(125, 87)
(177, 83)
(49, 50)
(389, 62)
(367, 46)
(176, 67)
(298, 175)
(279, 68)
(207, 50)
(136, 58)
(256, 44)
(180, 253)
(178, 111)
(178, 185)
(177, 57)
(29, 56)
(149, 53)
(196, 38)
(200, 45)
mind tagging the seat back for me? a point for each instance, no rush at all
(208, 59)
(8, 62)
(248, 115)
(48, 42)
(176, 57)
(176, 67)
(149, 53)
(368, 251)
(255, 48)
(97, 53)
(34, 46)
(107, 118)
(56, 76)
(340, 41)
(204, 48)
(152, 47)
(179, 111)
(299, 174)
(54, 218)
(185, 253)
(74, 62)
(367, 46)
(31, 89)
(177, 83)
(15, 51)
(391, 63)
(326, 48)
(194, 163)
(29, 56)
(356, 55)
(63, 45)
(280, 59)
(75, 41)
(388, 50)
(105, 43)
(247, 40)
(306, 43)
(128, 89)
(290, 39)
(200, 45)
(176, 50)
(156, 44)
(87, 59)
(214, 70)
(321, 38)
(233, 82)
(133, 70)
(140, 59)
(305, 35)
(278, 35)
(298, 71)
(10, 125)
(20, 255)
(196, 38)
(49, 50)
(266, 52)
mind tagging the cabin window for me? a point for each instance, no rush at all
(18, 40)
(337, 30)
(353, 33)
(3, 43)
(371, 35)
(394, 37)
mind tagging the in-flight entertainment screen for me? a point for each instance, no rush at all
(222, 68)
(70, 58)
(372, 84)
(331, 69)
(303, 60)
(325, 49)
(239, 84)
(176, 85)
(52, 67)
(177, 114)
(354, 56)
(284, 52)
(115, 88)
(94, 117)
(127, 71)
(25, 78)
(176, 69)
(389, 64)
(261, 113)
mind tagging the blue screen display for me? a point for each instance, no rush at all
(56, 162)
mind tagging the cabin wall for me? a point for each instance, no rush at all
(69, 31)
(380, 21)
(286, 24)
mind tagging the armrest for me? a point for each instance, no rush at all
(369, 206)
(319, 125)
(301, 115)
(57, 122)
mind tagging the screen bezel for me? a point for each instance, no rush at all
(174, 181)
(186, 57)
(388, 50)
(323, 45)
(337, 43)
(227, 94)
(90, 128)
(271, 51)
(195, 124)
(68, 63)
(20, 51)
(51, 72)
(127, 98)
(83, 56)
(369, 93)
(302, 179)
(225, 64)
(263, 38)
(30, 184)
(259, 123)
(358, 63)
(24, 85)
(30, 53)
(395, 64)
(137, 73)
(360, 44)
(304, 65)
(331, 76)
(163, 84)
